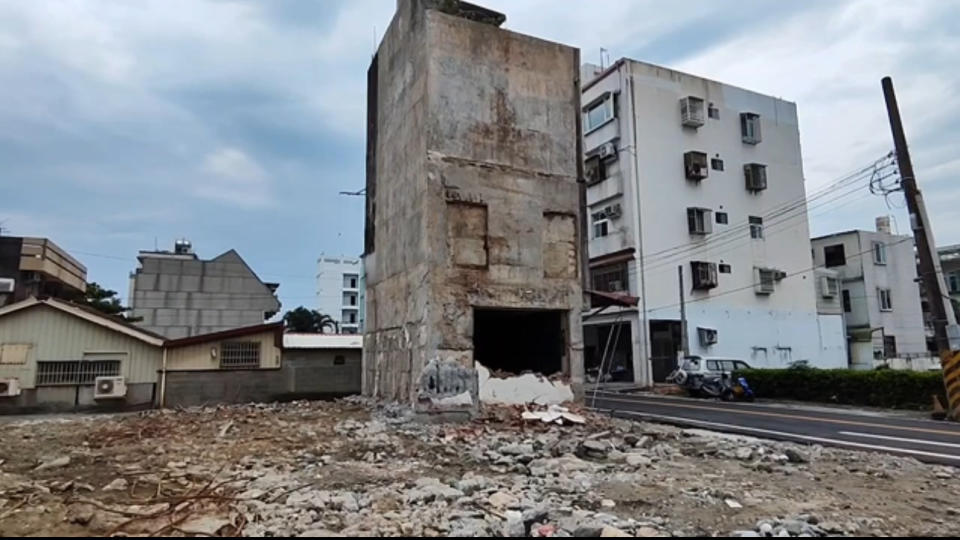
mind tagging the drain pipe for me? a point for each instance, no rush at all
(163, 380)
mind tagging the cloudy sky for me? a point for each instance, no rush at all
(236, 123)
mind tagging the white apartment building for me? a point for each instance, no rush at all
(338, 291)
(691, 173)
(879, 291)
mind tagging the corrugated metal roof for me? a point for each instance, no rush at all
(88, 315)
(322, 341)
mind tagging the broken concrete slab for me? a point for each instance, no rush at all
(522, 389)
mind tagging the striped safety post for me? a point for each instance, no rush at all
(950, 361)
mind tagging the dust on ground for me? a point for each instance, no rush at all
(354, 468)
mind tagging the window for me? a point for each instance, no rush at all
(601, 225)
(695, 165)
(610, 278)
(765, 281)
(75, 372)
(353, 318)
(756, 227)
(716, 164)
(879, 253)
(847, 308)
(829, 286)
(595, 169)
(722, 218)
(834, 256)
(353, 283)
(725, 268)
(886, 302)
(353, 300)
(698, 220)
(598, 113)
(750, 127)
(704, 275)
(755, 176)
(713, 365)
(740, 366)
(713, 112)
(953, 282)
(889, 346)
(240, 354)
(339, 360)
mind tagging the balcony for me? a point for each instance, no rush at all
(605, 189)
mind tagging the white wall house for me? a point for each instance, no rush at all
(879, 291)
(338, 291)
(687, 172)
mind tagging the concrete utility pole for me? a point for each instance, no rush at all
(684, 339)
(946, 332)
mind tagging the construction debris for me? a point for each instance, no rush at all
(352, 468)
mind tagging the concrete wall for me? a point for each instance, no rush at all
(53, 335)
(303, 374)
(199, 357)
(334, 291)
(180, 297)
(654, 195)
(474, 200)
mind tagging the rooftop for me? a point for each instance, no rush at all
(322, 341)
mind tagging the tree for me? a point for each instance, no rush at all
(105, 301)
(309, 321)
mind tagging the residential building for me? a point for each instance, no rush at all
(53, 352)
(338, 291)
(950, 265)
(334, 363)
(692, 174)
(38, 267)
(830, 322)
(879, 291)
(471, 246)
(177, 294)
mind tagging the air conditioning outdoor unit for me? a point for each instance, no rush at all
(613, 211)
(755, 176)
(109, 388)
(691, 111)
(7, 285)
(764, 281)
(607, 150)
(828, 287)
(9, 387)
(708, 336)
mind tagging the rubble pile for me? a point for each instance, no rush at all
(352, 468)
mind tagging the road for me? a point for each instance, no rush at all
(926, 440)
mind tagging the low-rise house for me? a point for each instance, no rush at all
(55, 356)
(324, 364)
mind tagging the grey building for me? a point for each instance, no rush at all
(472, 251)
(177, 294)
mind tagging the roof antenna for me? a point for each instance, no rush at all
(602, 52)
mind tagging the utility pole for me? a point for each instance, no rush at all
(684, 339)
(946, 332)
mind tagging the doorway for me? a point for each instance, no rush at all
(516, 341)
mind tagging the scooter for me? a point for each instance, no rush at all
(726, 389)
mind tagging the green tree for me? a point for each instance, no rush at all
(309, 321)
(105, 301)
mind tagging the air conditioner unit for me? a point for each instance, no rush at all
(829, 287)
(613, 211)
(755, 176)
(607, 150)
(764, 281)
(691, 111)
(109, 388)
(9, 387)
(708, 336)
(7, 285)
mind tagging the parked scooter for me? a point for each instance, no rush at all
(726, 389)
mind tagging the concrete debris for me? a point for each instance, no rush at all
(795, 456)
(120, 484)
(53, 463)
(355, 468)
(521, 389)
(613, 532)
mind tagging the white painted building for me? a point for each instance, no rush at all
(720, 193)
(338, 291)
(879, 291)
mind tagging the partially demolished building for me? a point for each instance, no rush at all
(472, 248)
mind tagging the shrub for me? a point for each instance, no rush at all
(880, 388)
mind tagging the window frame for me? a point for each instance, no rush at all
(716, 164)
(884, 294)
(604, 102)
(750, 132)
(756, 227)
(827, 257)
(600, 220)
(75, 372)
(724, 221)
(600, 277)
(713, 365)
(879, 253)
(845, 299)
(243, 363)
(724, 268)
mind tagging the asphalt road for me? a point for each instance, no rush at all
(926, 440)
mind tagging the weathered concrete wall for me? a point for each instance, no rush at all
(66, 398)
(304, 374)
(473, 201)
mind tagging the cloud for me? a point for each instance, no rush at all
(233, 177)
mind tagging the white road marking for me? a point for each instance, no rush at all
(898, 439)
(794, 436)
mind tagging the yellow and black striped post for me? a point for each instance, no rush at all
(950, 362)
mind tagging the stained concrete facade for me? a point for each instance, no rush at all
(472, 196)
(179, 295)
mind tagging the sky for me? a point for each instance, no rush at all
(236, 123)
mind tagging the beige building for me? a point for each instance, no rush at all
(52, 352)
(37, 267)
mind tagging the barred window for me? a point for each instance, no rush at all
(73, 372)
(240, 354)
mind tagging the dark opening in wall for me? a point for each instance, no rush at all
(516, 341)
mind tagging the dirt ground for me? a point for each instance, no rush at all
(347, 467)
